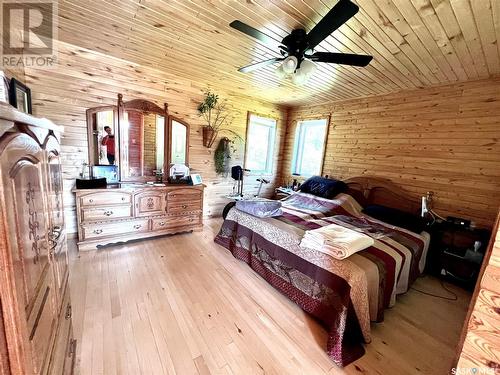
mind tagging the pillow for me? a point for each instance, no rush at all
(323, 187)
(260, 207)
(395, 217)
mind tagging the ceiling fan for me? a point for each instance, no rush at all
(297, 48)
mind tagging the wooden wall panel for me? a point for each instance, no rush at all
(87, 79)
(479, 345)
(15, 73)
(443, 139)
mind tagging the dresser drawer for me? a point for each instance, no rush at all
(183, 207)
(184, 195)
(106, 213)
(122, 227)
(105, 198)
(175, 221)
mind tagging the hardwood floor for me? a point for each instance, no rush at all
(184, 305)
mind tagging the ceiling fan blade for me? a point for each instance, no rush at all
(254, 33)
(261, 64)
(341, 58)
(335, 18)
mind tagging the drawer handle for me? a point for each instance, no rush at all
(137, 226)
(184, 206)
(191, 219)
(97, 231)
(68, 312)
(108, 213)
(91, 200)
(123, 198)
(162, 224)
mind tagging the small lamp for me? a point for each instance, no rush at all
(426, 210)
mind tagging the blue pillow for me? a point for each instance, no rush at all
(395, 217)
(323, 187)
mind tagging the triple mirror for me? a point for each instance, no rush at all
(139, 137)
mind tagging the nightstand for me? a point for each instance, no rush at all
(456, 253)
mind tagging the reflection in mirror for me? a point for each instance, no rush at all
(178, 144)
(106, 127)
(103, 146)
(143, 144)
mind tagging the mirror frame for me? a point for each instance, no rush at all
(90, 134)
(169, 145)
(146, 107)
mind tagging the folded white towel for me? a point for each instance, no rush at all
(336, 241)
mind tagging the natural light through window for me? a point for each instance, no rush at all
(309, 147)
(261, 134)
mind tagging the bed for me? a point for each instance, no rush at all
(343, 295)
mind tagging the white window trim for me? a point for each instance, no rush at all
(270, 151)
(299, 130)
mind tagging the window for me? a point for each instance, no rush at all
(261, 132)
(309, 146)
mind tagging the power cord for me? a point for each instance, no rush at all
(454, 298)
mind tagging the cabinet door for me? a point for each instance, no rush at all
(23, 176)
(56, 233)
(150, 203)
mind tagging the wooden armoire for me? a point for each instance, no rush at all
(35, 310)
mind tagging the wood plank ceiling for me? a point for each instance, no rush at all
(415, 43)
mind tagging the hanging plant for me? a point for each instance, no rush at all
(222, 156)
(216, 116)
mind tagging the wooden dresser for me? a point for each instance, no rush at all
(35, 308)
(126, 212)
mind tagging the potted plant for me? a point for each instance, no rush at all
(217, 118)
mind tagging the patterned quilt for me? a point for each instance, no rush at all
(343, 295)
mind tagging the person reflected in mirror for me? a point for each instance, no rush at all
(109, 142)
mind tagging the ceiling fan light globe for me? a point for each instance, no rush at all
(308, 67)
(280, 73)
(300, 79)
(290, 64)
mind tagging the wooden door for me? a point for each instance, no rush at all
(56, 233)
(149, 203)
(32, 303)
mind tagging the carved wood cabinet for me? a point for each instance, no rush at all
(132, 211)
(35, 308)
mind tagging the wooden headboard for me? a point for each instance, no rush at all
(375, 190)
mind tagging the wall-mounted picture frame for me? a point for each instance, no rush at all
(20, 96)
(196, 178)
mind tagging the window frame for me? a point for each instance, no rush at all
(297, 133)
(270, 152)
